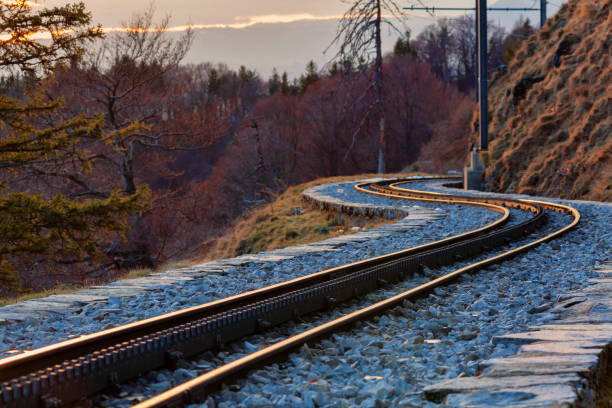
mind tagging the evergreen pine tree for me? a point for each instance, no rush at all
(38, 224)
(285, 86)
(274, 84)
(310, 77)
(403, 46)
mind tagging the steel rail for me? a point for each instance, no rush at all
(33, 360)
(197, 389)
(73, 378)
(65, 371)
(393, 191)
(489, 199)
(44, 356)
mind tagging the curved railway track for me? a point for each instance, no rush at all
(67, 372)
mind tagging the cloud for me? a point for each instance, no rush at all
(244, 22)
(241, 23)
(285, 18)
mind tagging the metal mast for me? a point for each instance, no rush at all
(482, 72)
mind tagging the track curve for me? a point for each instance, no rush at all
(197, 389)
(59, 374)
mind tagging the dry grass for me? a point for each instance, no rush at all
(142, 272)
(557, 140)
(554, 137)
(272, 226)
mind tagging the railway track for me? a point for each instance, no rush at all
(67, 372)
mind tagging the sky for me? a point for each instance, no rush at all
(263, 34)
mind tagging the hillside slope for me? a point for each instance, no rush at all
(277, 225)
(551, 111)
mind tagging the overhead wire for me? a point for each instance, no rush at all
(430, 12)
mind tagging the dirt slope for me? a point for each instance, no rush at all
(551, 111)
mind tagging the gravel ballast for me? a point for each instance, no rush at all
(389, 360)
(386, 361)
(36, 323)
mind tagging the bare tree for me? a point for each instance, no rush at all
(129, 78)
(359, 38)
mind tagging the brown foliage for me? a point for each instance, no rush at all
(211, 143)
(448, 149)
(289, 140)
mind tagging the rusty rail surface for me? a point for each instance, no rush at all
(65, 372)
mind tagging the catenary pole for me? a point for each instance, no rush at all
(482, 72)
(542, 13)
(476, 50)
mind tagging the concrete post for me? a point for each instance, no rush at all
(473, 174)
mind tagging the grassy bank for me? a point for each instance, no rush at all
(288, 221)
